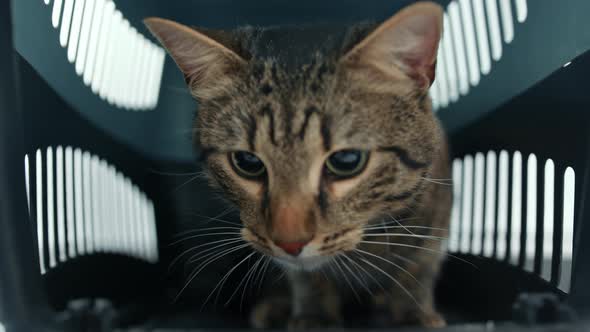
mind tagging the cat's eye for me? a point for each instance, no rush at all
(247, 164)
(347, 163)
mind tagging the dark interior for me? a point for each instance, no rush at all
(529, 102)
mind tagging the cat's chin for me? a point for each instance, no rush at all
(303, 263)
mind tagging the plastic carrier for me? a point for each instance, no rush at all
(95, 126)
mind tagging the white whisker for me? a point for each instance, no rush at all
(224, 241)
(201, 235)
(393, 264)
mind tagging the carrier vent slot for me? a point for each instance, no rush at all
(116, 62)
(82, 205)
(515, 210)
(474, 33)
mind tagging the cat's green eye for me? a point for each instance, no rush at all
(347, 163)
(247, 164)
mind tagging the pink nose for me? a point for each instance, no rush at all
(292, 248)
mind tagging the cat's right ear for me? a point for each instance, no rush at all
(207, 65)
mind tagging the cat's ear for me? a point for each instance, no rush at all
(406, 42)
(207, 64)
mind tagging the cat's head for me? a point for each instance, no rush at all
(312, 155)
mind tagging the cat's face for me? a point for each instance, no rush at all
(313, 155)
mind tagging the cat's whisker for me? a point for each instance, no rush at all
(394, 280)
(421, 248)
(338, 262)
(354, 275)
(211, 251)
(200, 230)
(383, 223)
(430, 237)
(210, 219)
(395, 265)
(399, 223)
(263, 273)
(444, 182)
(201, 235)
(155, 171)
(196, 177)
(409, 227)
(203, 265)
(367, 272)
(248, 281)
(225, 277)
(224, 243)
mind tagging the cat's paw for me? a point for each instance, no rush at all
(430, 319)
(272, 312)
(306, 322)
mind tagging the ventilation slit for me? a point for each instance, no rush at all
(494, 28)
(502, 226)
(39, 201)
(89, 209)
(79, 208)
(548, 219)
(61, 224)
(56, 13)
(75, 31)
(478, 204)
(469, 30)
(521, 10)
(87, 21)
(103, 42)
(467, 199)
(112, 58)
(567, 238)
(69, 174)
(507, 21)
(490, 204)
(27, 183)
(455, 226)
(457, 33)
(450, 61)
(65, 23)
(482, 37)
(50, 208)
(516, 218)
(531, 216)
(90, 67)
(441, 75)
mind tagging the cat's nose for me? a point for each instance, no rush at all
(292, 248)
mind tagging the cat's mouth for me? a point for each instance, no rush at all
(321, 250)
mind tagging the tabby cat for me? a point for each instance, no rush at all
(330, 158)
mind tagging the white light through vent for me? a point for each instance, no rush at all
(451, 69)
(548, 219)
(507, 21)
(457, 33)
(482, 37)
(65, 22)
(494, 28)
(90, 207)
(502, 227)
(490, 207)
(467, 199)
(119, 64)
(469, 30)
(516, 216)
(455, 224)
(531, 213)
(567, 250)
(521, 10)
(75, 32)
(478, 204)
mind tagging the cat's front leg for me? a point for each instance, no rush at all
(315, 301)
(312, 301)
(411, 305)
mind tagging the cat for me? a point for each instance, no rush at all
(330, 158)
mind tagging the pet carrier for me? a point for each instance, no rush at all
(95, 126)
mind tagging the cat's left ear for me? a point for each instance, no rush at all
(406, 44)
(207, 64)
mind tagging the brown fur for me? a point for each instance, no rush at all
(369, 95)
